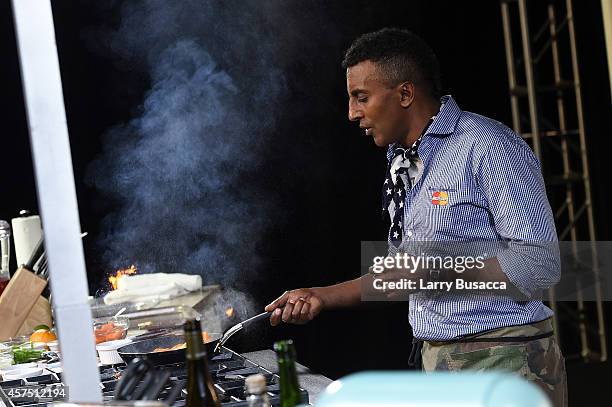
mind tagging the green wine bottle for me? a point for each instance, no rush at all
(289, 387)
(200, 387)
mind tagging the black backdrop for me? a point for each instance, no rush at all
(323, 170)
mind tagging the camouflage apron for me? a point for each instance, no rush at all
(512, 349)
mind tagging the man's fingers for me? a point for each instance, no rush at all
(275, 317)
(287, 310)
(294, 307)
(297, 309)
(279, 302)
(305, 313)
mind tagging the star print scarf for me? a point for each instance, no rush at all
(394, 188)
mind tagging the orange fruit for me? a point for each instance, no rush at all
(42, 335)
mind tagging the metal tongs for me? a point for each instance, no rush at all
(238, 327)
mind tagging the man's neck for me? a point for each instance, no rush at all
(421, 116)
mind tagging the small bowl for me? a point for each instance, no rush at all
(107, 351)
(110, 328)
(6, 361)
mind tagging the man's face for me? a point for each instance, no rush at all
(376, 107)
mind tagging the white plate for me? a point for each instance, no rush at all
(23, 373)
(20, 366)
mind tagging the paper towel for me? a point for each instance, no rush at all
(27, 231)
(153, 287)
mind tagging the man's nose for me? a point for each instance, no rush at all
(354, 114)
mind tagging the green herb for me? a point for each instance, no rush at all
(25, 355)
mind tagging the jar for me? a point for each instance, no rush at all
(6, 356)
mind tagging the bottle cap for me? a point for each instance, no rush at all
(256, 384)
(285, 348)
(192, 325)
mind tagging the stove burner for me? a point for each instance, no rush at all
(229, 371)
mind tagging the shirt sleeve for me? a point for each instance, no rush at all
(510, 178)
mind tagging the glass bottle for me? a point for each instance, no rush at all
(5, 254)
(200, 387)
(257, 391)
(289, 388)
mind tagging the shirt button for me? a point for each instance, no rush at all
(409, 233)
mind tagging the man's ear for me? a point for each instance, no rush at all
(406, 90)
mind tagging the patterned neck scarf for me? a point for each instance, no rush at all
(396, 191)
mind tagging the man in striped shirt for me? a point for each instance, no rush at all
(454, 177)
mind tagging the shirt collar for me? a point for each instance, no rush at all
(444, 123)
(446, 119)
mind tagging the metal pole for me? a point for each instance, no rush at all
(569, 197)
(606, 13)
(531, 90)
(42, 87)
(587, 182)
(516, 119)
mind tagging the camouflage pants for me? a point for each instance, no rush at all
(539, 361)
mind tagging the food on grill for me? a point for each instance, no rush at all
(205, 339)
(175, 347)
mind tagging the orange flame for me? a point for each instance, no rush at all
(114, 279)
(229, 312)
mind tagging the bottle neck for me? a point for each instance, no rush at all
(195, 346)
(200, 388)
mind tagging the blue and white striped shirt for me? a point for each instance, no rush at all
(480, 182)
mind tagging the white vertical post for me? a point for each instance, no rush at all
(56, 195)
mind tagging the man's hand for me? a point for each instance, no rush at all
(296, 306)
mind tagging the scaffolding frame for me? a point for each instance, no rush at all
(542, 90)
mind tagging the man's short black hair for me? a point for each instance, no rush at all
(401, 56)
